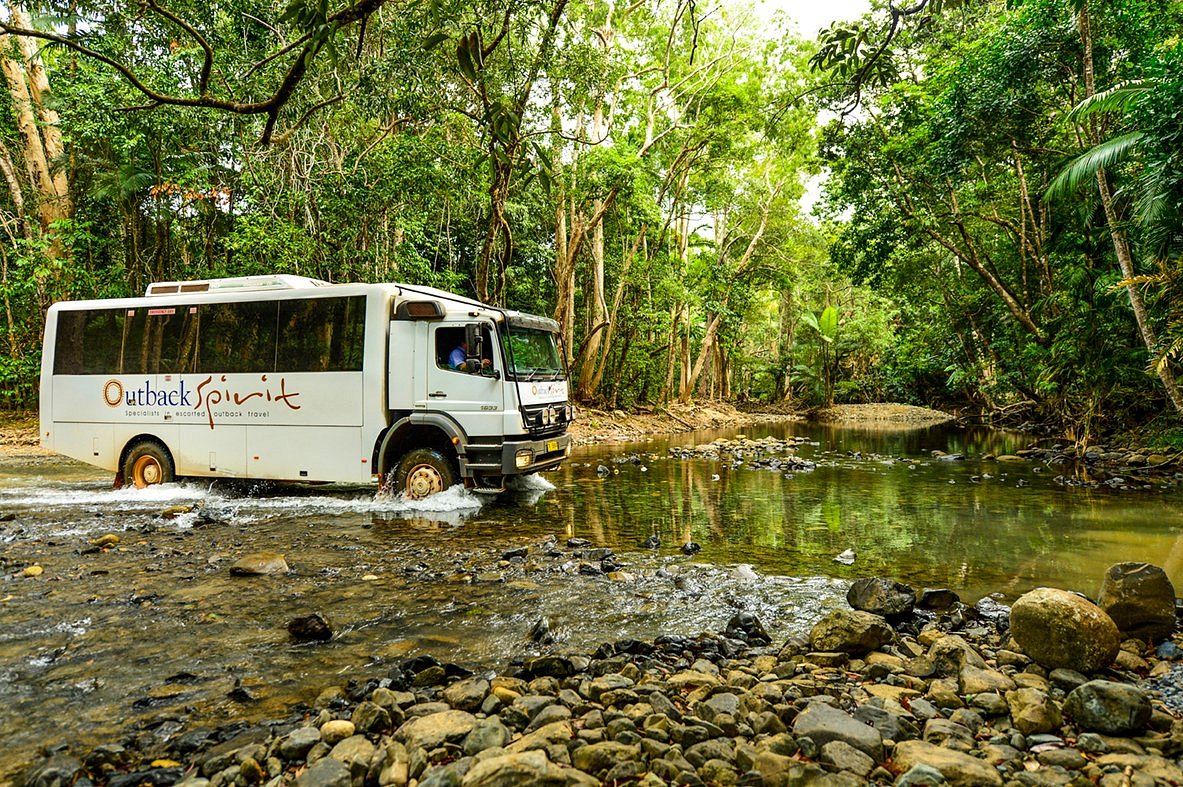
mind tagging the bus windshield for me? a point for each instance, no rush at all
(533, 354)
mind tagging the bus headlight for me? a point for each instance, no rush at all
(524, 458)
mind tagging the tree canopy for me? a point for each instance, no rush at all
(998, 228)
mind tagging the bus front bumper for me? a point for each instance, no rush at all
(531, 456)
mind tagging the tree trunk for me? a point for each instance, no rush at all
(1121, 245)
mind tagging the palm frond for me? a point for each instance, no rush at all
(1084, 167)
(1119, 98)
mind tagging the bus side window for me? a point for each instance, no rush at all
(88, 342)
(321, 335)
(236, 338)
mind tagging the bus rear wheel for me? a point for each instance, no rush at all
(147, 464)
(423, 472)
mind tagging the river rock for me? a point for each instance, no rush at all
(884, 597)
(823, 723)
(259, 564)
(325, 772)
(1108, 707)
(58, 769)
(337, 730)
(467, 694)
(1033, 712)
(356, 752)
(599, 757)
(433, 730)
(1140, 599)
(959, 769)
(937, 599)
(310, 628)
(1060, 629)
(850, 631)
(530, 767)
(747, 627)
(845, 757)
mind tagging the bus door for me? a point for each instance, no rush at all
(473, 397)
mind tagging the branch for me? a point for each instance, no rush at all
(270, 106)
(207, 65)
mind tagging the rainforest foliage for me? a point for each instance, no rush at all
(998, 226)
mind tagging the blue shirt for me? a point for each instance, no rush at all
(457, 357)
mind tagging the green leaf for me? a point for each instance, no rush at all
(434, 40)
(1084, 167)
(464, 60)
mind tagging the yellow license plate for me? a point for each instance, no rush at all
(552, 445)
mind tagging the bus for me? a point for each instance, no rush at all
(294, 379)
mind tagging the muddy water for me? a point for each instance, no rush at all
(156, 635)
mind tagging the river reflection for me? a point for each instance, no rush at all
(977, 526)
(157, 633)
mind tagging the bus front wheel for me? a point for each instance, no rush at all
(146, 464)
(423, 472)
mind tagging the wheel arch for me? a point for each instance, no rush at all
(420, 430)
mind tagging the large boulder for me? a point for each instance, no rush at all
(1061, 629)
(1108, 707)
(850, 631)
(880, 596)
(1140, 599)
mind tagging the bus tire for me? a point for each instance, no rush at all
(147, 463)
(423, 472)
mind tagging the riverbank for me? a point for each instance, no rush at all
(894, 688)
(18, 431)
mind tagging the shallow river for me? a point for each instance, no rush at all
(156, 634)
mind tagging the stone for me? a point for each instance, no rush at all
(823, 723)
(1108, 707)
(314, 627)
(325, 772)
(57, 769)
(259, 564)
(958, 769)
(489, 733)
(884, 597)
(949, 654)
(1060, 629)
(973, 680)
(467, 694)
(435, 729)
(371, 718)
(295, 745)
(600, 757)
(895, 726)
(845, 757)
(1140, 599)
(920, 775)
(937, 599)
(850, 631)
(355, 752)
(337, 730)
(558, 733)
(510, 770)
(948, 734)
(1033, 712)
(550, 666)
(747, 627)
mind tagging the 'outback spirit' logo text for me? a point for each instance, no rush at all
(210, 393)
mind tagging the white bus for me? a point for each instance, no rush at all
(294, 379)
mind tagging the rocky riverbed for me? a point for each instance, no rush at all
(896, 687)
